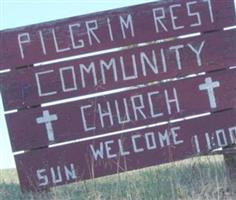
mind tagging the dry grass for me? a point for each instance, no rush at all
(197, 179)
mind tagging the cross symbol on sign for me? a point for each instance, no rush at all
(47, 119)
(209, 86)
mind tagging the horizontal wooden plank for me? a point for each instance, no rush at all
(39, 127)
(34, 86)
(44, 168)
(114, 28)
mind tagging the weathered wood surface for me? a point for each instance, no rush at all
(114, 112)
(129, 151)
(34, 128)
(34, 86)
(114, 28)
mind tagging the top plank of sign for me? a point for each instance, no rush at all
(110, 29)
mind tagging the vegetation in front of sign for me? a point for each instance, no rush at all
(196, 178)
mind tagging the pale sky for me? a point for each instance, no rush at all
(15, 13)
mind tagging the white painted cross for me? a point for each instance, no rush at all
(47, 120)
(209, 85)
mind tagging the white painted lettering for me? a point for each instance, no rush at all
(122, 119)
(83, 111)
(91, 27)
(108, 66)
(108, 149)
(90, 68)
(138, 108)
(23, 38)
(42, 177)
(173, 17)
(56, 175)
(127, 24)
(39, 86)
(153, 113)
(70, 172)
(177, 54)
(232, 133)
(221, 138)
(193, 14)
(58, 49)
(97, 153)
(210, 10)
(80, 43)
(150, 141)
(105, 113)
(197, 52)
(197, 145)
(110, 29)
(158, 18)
(42, 42)
(175, 101)
(163, 60)
(175, 135)
(134, 66)
(64, 88)
(134, 143)
(121, 148)
(153, 65)
(208, 139)
(164, 138)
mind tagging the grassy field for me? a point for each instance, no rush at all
(197, 179)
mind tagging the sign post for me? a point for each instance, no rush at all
(89, 116)
(230, 163)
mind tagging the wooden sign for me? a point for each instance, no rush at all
(105, 132)
(129, 109)
(34, 86)
(110, 29)
(125, 152)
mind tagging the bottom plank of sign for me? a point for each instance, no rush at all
(44, 168)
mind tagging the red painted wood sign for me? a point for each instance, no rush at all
(164, 89)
